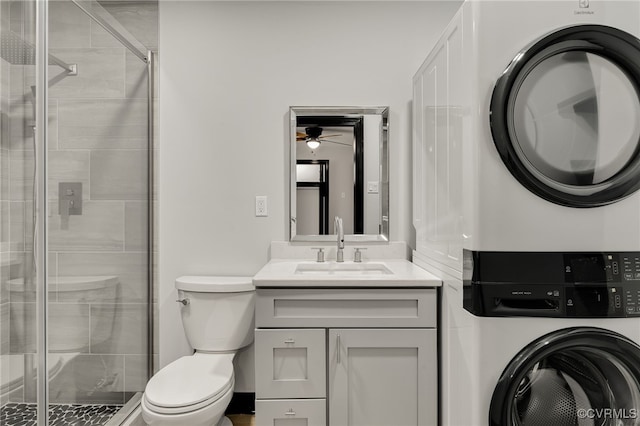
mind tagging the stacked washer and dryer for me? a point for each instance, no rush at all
(526, 203)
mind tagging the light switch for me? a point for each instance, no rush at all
(372, 187)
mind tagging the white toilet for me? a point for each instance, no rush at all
(218, 319)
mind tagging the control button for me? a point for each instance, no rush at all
(631, 310)
(556, 293)
(637, 276)
(628, 276)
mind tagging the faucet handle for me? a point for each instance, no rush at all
(320, 255)
(357, 254)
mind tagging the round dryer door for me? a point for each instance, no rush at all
(576, 376)
(565, 116)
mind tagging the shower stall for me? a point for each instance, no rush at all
(76, 209)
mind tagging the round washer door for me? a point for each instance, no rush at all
(575, 376)
(565, 116)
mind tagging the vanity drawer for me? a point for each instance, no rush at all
(290, 363)
(362, 308)
(291, 412)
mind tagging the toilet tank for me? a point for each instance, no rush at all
(217, 312)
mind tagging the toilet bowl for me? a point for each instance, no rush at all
(193, 390)
(217, 315)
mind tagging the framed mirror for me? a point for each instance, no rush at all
(339, 166)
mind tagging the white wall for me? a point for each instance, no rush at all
(229, 72)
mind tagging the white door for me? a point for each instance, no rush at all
(382, 377)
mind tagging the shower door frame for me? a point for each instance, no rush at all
(40, 205)
(40, 250)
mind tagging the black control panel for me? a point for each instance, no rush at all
(630, 266)
(552, 284)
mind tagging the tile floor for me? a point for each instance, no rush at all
(20, 414)
(241, 419)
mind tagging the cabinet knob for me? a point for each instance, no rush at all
(290, 412)
(289, 341)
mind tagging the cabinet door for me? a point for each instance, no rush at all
(291, 412)
(382, 377)
(439, 97)
(290, 363)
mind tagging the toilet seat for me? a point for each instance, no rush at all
(190, 383)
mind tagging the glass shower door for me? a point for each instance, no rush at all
(98, 196)
(74, 209)
(19, 357)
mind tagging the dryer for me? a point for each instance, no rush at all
(527, 130)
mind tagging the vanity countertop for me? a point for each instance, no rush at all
(370, 273)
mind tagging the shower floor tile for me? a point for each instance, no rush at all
(13, 414)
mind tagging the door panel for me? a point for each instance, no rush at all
(381, 377)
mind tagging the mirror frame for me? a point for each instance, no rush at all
(300, 111)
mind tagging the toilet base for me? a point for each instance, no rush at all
(225, 422)
(206, 416)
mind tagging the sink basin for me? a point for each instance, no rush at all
(383, 273)
(350, 268)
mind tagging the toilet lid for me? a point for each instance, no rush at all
(190, 380)
(212, 284)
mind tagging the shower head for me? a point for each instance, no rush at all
(15, 50)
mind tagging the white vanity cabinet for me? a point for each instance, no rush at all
(338, 357)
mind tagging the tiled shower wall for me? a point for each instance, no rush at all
(98, 137)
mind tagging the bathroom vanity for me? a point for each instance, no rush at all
(346, 343)
(350, 342)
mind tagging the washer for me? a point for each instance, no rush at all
(526, 163)
(572, 358)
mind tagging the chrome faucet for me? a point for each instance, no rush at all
(337, 225)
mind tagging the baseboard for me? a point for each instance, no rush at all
(242, 403)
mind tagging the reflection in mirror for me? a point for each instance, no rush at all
(339, 168)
